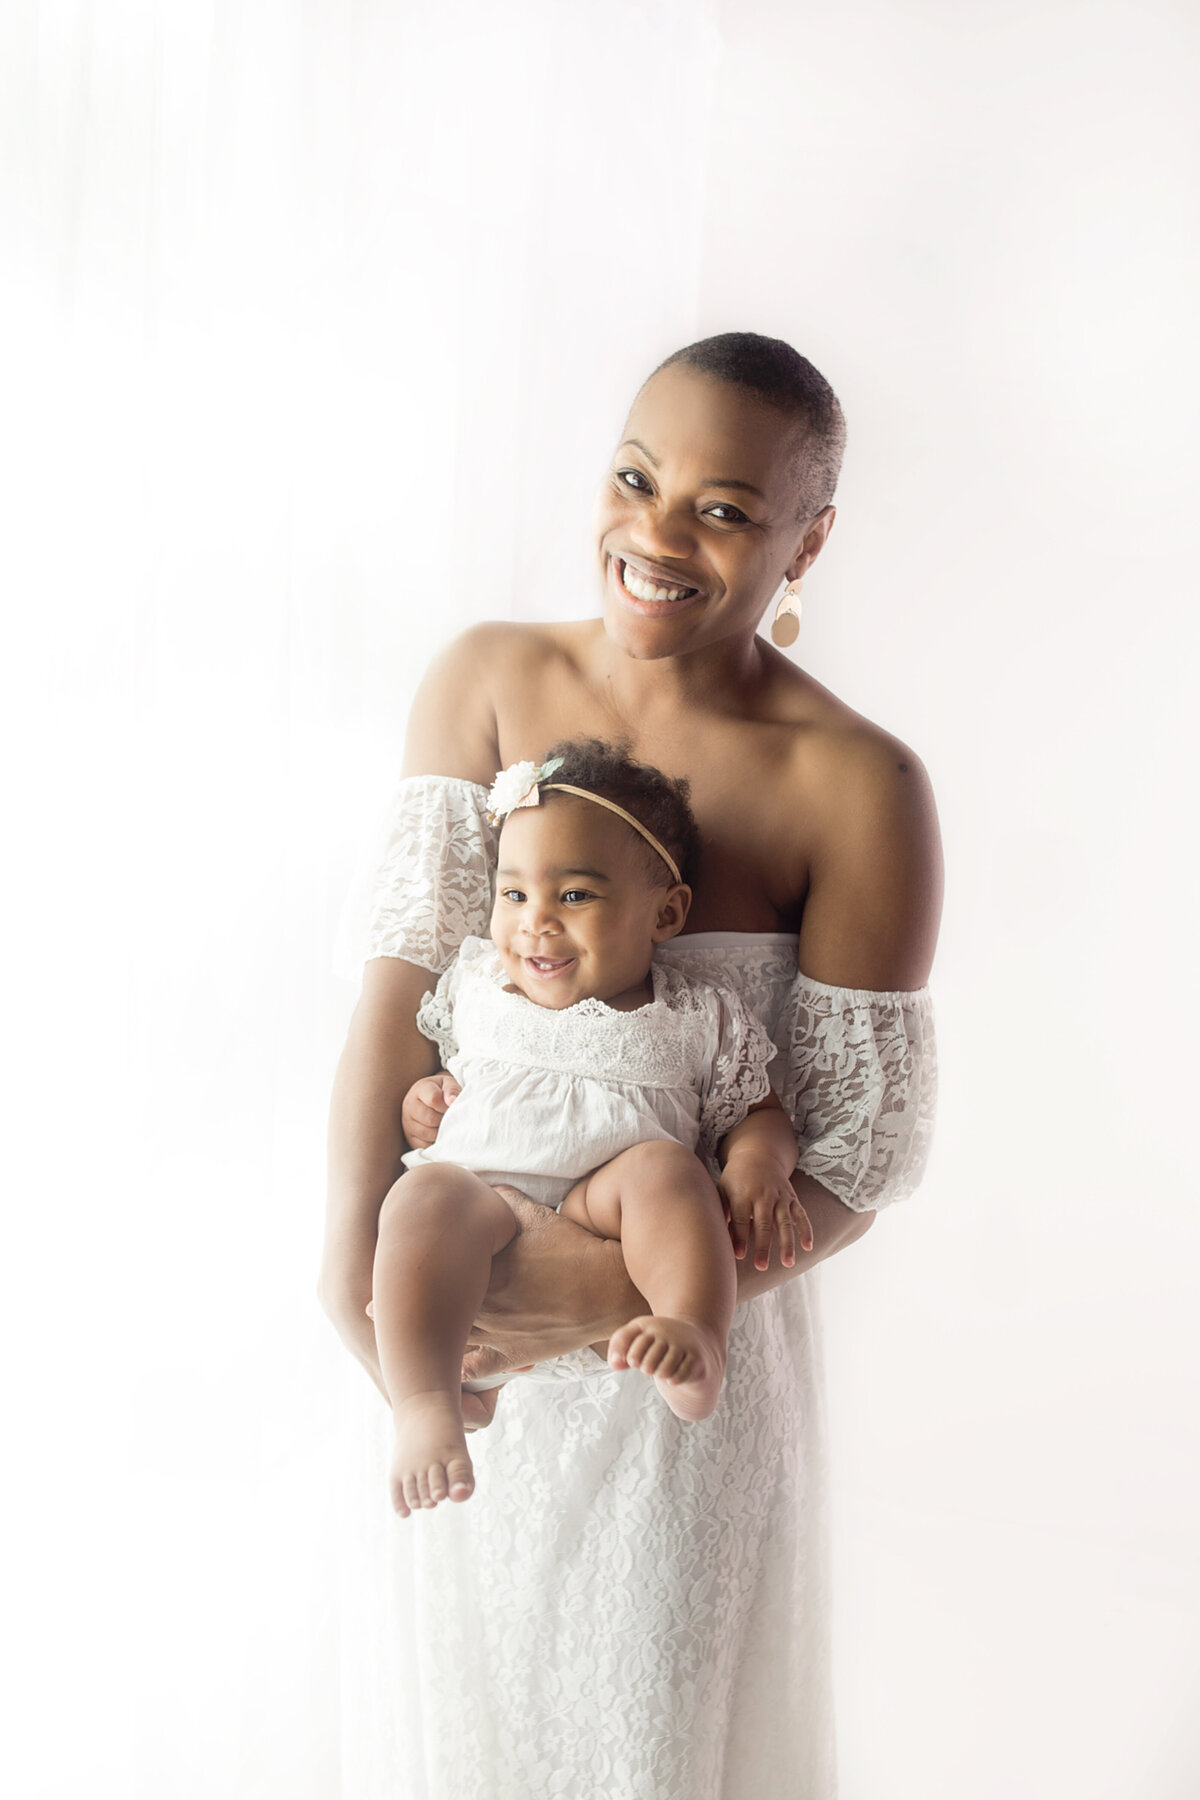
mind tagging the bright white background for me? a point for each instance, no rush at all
(318, 320)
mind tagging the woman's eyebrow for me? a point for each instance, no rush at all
(743, 487)
(638, 445)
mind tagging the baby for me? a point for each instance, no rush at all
(593, 1080)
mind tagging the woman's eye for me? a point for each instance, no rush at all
(633, 478)
(732, 515)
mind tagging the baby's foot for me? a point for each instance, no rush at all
(429, 1457)
(686, 1359)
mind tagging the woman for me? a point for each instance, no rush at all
(632, 1606)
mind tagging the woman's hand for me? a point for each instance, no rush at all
(425, 1106)
(555, 1288)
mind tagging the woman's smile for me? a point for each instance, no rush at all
(652, 581)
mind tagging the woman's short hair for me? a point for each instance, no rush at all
(659, 802)
(779, 375)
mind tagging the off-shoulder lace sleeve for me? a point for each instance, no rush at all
(738, 1078)
(861, 1087)
(430, 883)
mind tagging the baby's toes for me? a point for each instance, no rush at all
(412, 1493)
(620, 1346)
(438, 1485)
(460, 1477)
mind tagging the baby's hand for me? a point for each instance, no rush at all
(424, 1104)
(761, 1205)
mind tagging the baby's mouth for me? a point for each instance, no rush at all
(549, 965)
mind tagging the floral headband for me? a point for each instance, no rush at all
(521, 785)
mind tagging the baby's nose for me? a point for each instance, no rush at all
(542, 924)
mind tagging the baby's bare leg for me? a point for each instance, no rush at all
(659, 1200)
(439, 1229)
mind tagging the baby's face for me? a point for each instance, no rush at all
(576, 915)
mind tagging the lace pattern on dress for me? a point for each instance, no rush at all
(433, 879)
(861, 1087)
(857, 1070)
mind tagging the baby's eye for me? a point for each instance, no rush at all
(513, 894)
(575, 894)
(633, 478)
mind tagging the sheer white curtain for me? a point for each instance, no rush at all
(317, 324)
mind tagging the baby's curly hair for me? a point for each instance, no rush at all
(659, 802)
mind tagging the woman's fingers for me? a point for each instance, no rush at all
(478, 1410)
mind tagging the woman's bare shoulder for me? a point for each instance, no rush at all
(873, 841)
(453, 725)
(837, 752)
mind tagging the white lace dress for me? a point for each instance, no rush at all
(550, 1093)
(629, 1607)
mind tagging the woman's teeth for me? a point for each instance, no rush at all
(645, 590)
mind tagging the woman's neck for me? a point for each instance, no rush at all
(719, 678)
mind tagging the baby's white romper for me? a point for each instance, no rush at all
(551, 1093)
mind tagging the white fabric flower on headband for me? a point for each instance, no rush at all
(517, 786)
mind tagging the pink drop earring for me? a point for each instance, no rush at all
(785, 626)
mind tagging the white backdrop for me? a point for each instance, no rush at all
(317, 323)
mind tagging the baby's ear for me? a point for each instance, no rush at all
(672, 914)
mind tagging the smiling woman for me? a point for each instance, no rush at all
(817, 886)
(679, 430)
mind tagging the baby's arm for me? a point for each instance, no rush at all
(423, 1106)
(757, 1159)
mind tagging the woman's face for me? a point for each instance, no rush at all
(697, 522)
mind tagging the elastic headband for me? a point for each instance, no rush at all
(564, 787)
(521, 784)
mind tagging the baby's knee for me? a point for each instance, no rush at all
(429, 1188)
(662, 1159)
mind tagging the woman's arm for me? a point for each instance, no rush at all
(384, 1055)
(450, 733)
